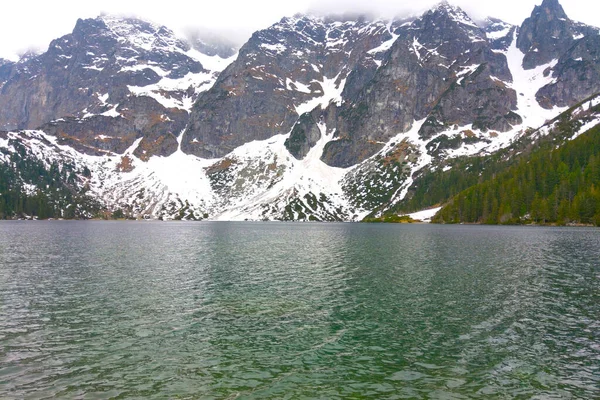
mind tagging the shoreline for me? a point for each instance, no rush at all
(402, 221)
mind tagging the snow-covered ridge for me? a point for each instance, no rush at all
(145, 43)
(455, 13)
(143, 34)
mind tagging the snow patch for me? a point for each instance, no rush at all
(527, 83)
(112, 112)
(141, 67)
(385, 46)
(467, 70)
(587, 126)
(331, 93)
(301, 177)
(165, 91)
(498, 34)
(297, 86)
(277, 48)
(425, 215)
(211, 63)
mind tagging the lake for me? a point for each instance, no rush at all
(297, 310)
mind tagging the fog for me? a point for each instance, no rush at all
(33, 24)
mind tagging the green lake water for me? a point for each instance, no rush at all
(296, 310)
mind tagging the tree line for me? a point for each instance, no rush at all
(29, 187)
(557, 186)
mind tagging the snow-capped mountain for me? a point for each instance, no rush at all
(108, 83)
(315, 118)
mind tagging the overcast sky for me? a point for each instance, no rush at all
(33, 24)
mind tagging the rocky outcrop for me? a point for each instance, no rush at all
(480, 99)
(96, 136)
(440, 65)
(305, 134)
(576, 75)
(548, 33)
(6, 67)
(141, 117)
(294, 66)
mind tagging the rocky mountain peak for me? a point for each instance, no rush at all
(290, 68)
(552, 9)
(447, 22)
(142, 34)
(113, 78)
(453, 12)
(445, 29)
(546, 34)
(89, 25)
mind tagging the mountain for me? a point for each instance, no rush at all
(548, 33)
(313, 118)
(107, 84)
(280, 73)
(547, 184)
(433, 72)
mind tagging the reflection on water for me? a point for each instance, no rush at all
(217, 310)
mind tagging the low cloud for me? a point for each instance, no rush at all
(234, 19)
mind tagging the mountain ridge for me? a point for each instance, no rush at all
(316, 118)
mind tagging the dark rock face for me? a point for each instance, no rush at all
(6, 67)
(305, 134)
(278, 70)
(477, 99)
(548, 33)
(97, 135)
(139, 118)
(576, 75)
(439, 64)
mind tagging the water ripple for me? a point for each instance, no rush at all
(240, 310)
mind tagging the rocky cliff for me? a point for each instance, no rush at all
(139, 74)
(296, 65)
(441, 69)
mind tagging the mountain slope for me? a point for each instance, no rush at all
(438, 185)
(438, 59)
(550, 185)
